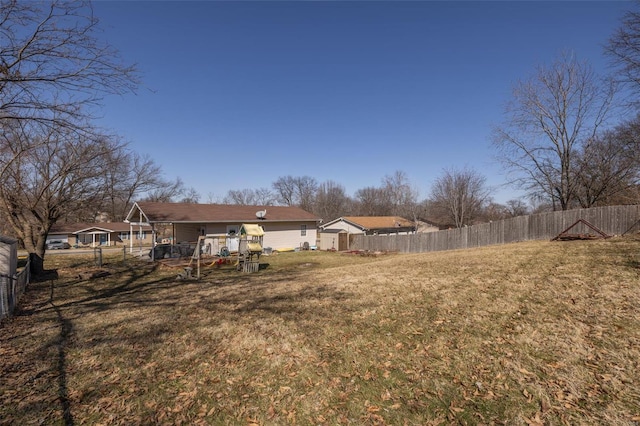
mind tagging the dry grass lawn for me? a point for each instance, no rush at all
(522, 334)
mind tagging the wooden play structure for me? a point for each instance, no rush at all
(246, 258)
(250, 247)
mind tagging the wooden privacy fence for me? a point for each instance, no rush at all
(12, 288)
(613, 220)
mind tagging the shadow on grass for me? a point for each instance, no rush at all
(63, 310)
(220, 296)
(46, 276)
(66, 328)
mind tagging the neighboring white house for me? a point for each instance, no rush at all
(96, 234)
(286, 228)
(332, 233)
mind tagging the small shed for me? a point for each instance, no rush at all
(334, 239)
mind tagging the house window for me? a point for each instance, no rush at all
(141, 235)
(124, 236)
(303, 230)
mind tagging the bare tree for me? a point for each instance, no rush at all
(548, 119)
(331, 201)
(512, 208)
(459, 195)
(494, 211)
(243, 197)
(250, 197)
(264, 197)
(401, 195)
(296, 191)
(169, 192)
(189, 195)
(285, 188)
(307, 187)
(517, 207)
(608, 166)
(395, 197)
(48, 173)
(372, 201)
(213, 198)
(53, 72)
(129, 176)
(52, 66)
(624, 50)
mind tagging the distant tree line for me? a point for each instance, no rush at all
(459, 197)
(559, 142)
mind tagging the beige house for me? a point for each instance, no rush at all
(286, 228)
(98, 234)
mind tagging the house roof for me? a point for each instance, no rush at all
(374, 222)
(79, 227)
(154, 212)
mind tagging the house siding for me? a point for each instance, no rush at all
(347, 227)
(288, 235)
(278, 235)
(146, 240)
(187, 232)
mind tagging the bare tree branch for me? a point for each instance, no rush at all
(53, 69)
(550, 116)
(460, 195)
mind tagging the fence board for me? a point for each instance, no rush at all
(12, 288)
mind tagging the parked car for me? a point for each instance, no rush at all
(58, 245)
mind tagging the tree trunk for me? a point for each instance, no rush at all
(35, 243)
(37, 264)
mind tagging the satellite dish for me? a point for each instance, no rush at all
(261, 214)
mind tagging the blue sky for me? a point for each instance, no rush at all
(237, 94)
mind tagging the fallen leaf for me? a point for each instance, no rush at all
(535, 421)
